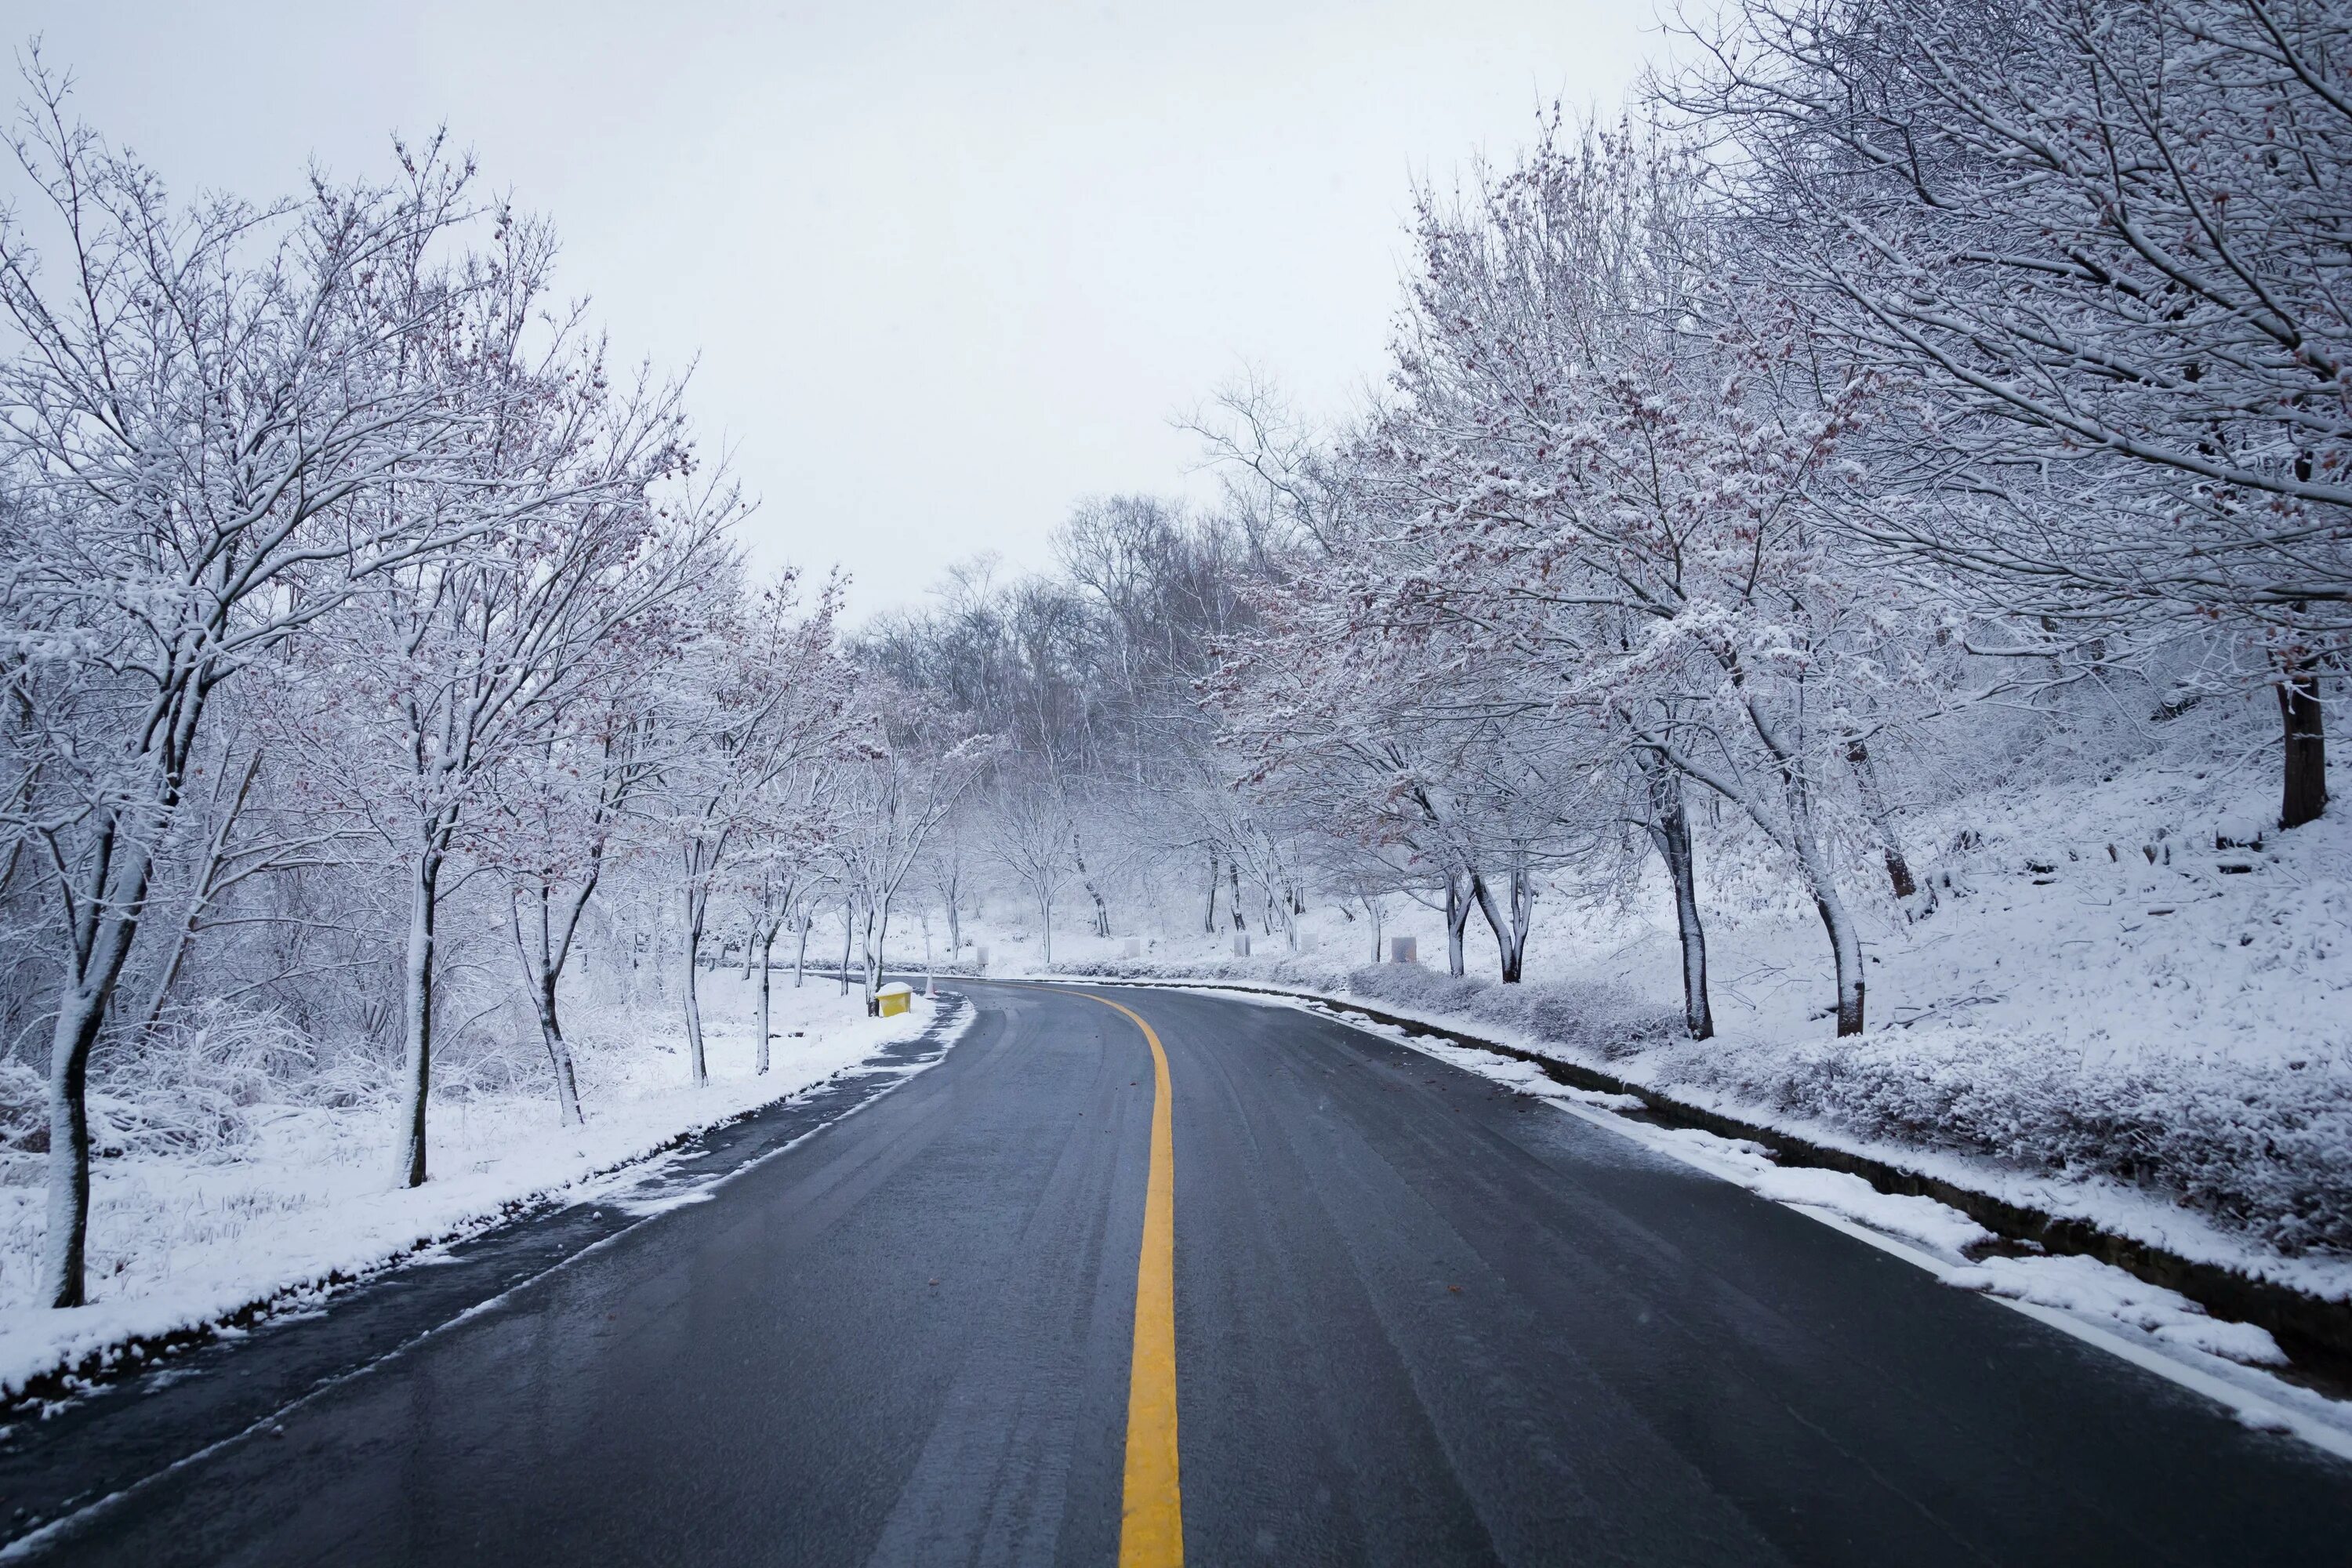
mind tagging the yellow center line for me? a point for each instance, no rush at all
(1151, 1524)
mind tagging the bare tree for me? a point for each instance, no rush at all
(1031, 836)
(460, 664)
(893, 799)
(772, 697)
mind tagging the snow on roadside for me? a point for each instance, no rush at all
(180, 1243)
(1751, 1166)
(2086, 1284)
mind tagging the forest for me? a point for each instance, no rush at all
(1906, 446)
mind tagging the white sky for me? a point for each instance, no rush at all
(948, 268)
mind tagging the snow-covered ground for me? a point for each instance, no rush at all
(2106, 1004)
(306, 1194)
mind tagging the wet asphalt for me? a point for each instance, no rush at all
(1419, 1320)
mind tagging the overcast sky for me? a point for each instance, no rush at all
(948, 269)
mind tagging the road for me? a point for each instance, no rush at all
(1416, 1319)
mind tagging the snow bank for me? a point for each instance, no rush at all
(186, 1230)
(2087, 1285)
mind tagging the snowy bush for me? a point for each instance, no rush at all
(1304, 971)
(1595, 1020)
(2266, 1150)
(23, 1108)
(199, 1083)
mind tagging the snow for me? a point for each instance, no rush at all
(1748, 1165)
(2087, 1285)
(178, 1243)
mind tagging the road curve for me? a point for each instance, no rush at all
(1417, 1320)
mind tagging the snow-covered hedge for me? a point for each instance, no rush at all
(1590, 1022)
(2263, 1149)
(1305, 972)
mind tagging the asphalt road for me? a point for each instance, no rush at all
(1417, 1320)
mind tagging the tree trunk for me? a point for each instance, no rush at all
(559, 1057)
(541, 970)
(112, 895)
(1511, 930)
(878, 936)
(1881, 821)
(799, 955)
(867, 966)
(66, 1244)
(416, 1016)
(1086, 880)
(697, 1065)
(1820, 880)
(1210, 926)
(1670, 833)
(848, 935)
(767, 951)
(2305, 793)
(112, 899)
(1045, 921)
(1803, 841)
(1457, 919)
(1848, 950)
(183, 937)
(1233, 871)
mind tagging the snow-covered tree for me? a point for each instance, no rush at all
(460, 664)
(2103, 240)
(766, 697)
(1029, 835)
(205, 403)
(915, 766)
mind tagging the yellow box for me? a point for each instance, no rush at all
(895, 999)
